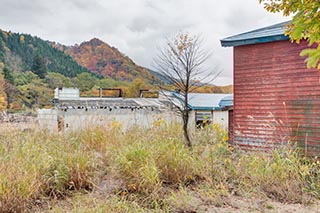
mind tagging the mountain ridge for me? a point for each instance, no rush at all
(107, 61)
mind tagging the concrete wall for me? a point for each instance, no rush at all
(67, 93)
(221, 117)
(48, 118)
(74, 119)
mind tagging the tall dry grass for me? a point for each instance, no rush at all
(34, 165)
(155, 169)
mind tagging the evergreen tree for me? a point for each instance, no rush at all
(8, 75)
(38, 66)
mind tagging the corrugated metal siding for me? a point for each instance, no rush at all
(276, 98)
(230, 126)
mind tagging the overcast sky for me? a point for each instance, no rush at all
(138, 27)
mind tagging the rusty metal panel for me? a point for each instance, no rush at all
(276, 98)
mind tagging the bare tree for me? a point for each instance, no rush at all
(181, 62)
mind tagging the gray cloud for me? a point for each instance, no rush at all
(138, 27)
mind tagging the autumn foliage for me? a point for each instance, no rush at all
(3, 96)
(107, 61)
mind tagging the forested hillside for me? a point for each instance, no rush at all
(30, 68)
(107, 61)
(19, 51)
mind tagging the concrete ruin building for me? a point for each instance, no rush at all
(72, 112)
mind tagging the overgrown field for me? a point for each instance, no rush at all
(107, 170)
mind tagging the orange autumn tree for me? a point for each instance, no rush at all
(3, 96)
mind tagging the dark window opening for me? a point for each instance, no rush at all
(203, 119)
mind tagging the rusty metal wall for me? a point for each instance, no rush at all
(276, 98)
(230, 126)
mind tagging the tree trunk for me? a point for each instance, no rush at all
(185, 116)
(185, 128)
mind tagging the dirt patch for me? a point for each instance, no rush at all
(240, 204)
(233, 204)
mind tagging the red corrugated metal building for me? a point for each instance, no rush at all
(276, 98)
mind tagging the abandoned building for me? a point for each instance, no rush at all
(207, 108)
(73, 112)
(276, 98)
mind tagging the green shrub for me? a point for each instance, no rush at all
(136, 166)
(175, 162)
